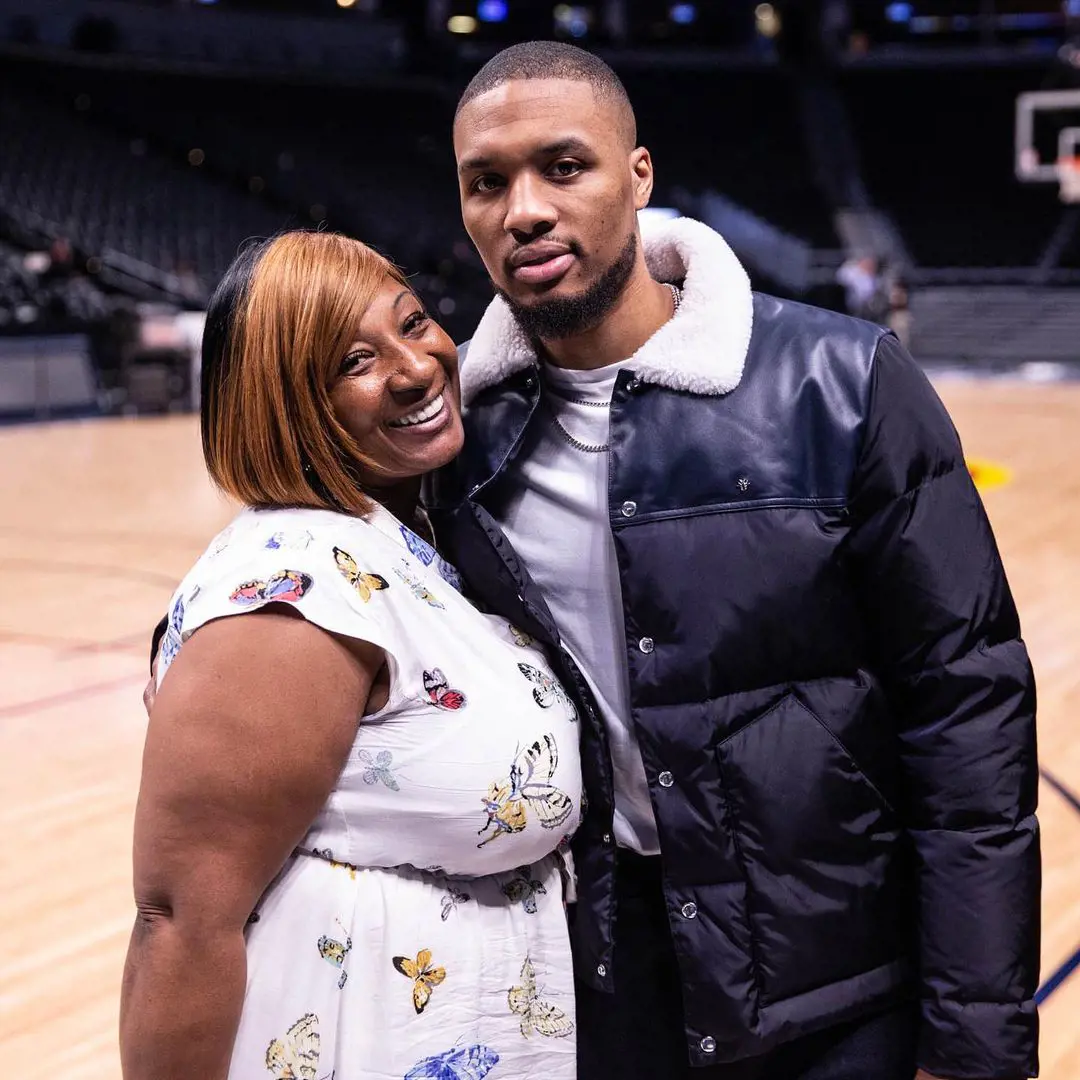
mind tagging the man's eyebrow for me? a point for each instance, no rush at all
(470, 164)
(568, 145)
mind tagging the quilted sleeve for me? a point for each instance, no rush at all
(945, 637)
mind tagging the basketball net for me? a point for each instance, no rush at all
(1068, 170)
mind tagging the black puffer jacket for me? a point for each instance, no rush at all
(833, 702)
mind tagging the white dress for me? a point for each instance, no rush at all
(419, 931)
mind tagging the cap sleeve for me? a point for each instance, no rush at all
(331, 576)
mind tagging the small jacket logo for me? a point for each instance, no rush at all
(743, 484)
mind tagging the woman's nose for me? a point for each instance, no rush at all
(415, 372)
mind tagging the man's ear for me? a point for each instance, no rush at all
(642, 169)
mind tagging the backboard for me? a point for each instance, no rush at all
(1040, 157)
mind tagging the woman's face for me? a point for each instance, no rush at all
(396, 389)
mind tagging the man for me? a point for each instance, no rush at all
(746, 531)
(811, 848)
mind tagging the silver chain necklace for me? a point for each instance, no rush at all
(577, 444)
(600, 448)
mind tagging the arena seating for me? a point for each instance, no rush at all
(37, 295)
(174, 171)
(93, 187)
(744, 142)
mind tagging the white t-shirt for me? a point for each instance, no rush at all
(558, 523)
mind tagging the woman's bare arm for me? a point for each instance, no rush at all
(247, 738)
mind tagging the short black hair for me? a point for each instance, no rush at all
(552, 60)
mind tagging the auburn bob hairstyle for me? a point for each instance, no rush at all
(277, 328)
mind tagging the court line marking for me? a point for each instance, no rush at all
(69, 647)
(56, 566)
(1061, 789)
(1059, 976)
(24, 708)
(1055, 981)
(131, 536)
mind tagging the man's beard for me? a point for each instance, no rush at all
(566, 316)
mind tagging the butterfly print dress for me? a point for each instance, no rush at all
(418, 932)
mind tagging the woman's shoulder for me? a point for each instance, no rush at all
(327, 566)
(258, 534)
(265, 555)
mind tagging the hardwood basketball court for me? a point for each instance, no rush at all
(100, 519)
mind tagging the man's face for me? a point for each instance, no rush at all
(550, 188)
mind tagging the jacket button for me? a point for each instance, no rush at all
(708, 1045)
(646, 645)
(601, 970)
(606, 838)
(689, 910)
(530, 382)
(665, 779)
(634, 385)
(628, 508)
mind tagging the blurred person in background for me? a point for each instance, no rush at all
(861, 279)
(811, 850)
(899, 317)
(355, 785)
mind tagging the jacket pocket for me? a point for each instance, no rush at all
(818, 846)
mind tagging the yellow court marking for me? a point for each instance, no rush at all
(988, 474)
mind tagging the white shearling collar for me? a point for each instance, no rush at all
(701, 350)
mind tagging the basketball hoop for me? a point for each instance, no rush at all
(1068, 171)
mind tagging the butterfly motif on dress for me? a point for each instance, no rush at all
(536, 1015)
(524, 889)
(454, 896)
(459, 1063)
(171, 642)
(429, 556)
(221, 541)
(418, 588)
(296, 1057)
(546, 691)
(327, 855)
(295, 541)
(378, 768)
(285, 585)
(437, 688)
(424, 977)
(527, 786)
(419, 547)
(520, 637)
(334, 952)
(366, 585)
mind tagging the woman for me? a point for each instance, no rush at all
(353, 798)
